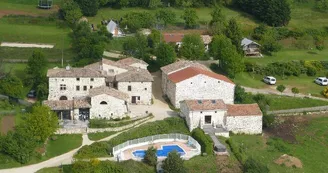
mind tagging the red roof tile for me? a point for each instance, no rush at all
(198, 105)
(173, 37)
(244, 110)
(194, 71)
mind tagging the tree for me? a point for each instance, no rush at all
(230, 61)
(137, 20)
(88, 7)
(173, 163)
(270, 43)
(42, 91)
(150, 156)
(12, 86)
(295, 91)
(154, 3)
(41, 122)
(154, 38)
(19, 144)
(241, 97)
(190, 17)
(234, 33)
(37, 66)
(165, 54)
(322, 5)
(166, 16)
(281, 88)
(218, 23)
(71, 12)
(136, 46)
(192, 47)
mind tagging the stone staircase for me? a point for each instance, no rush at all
(210, 130)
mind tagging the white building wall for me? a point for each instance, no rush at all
(244, 124)
(113, 70)
(139, 89)
(115, 108)
(139, 65)
(197, 118)
(54, 87)
(202, 87)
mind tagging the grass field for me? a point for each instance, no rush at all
(63, 144)
(279, 102)
(310, 147)
(304, 83)
(27, 6)
(98, 136)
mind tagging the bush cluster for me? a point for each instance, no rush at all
(101, 149)
(204, 140)
(102, 123)
(291, 68)
(277, 144)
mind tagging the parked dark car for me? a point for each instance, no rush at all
(31, 94)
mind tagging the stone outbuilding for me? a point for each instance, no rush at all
(214, 116)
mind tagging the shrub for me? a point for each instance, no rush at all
(253, 166)
(204, 140)
(173, 163)
(237, 150)
(325, 92)
(150, 156)
(311, 71)
(278, 144)
(281, 88)
(268, 120)
(295, 90)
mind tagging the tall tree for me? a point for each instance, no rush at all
(192, 47)
(154, 38)
(12, 86)
(234, 33)
(166, 16)
(269, 42)
(36, 69)
(190, 17)
(88, 7)
(71, 12)
(165, 54)
(218, 22)
(137, 46)
(173, 163)
(41, 122)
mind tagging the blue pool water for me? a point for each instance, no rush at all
(161, 152)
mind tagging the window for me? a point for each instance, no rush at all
(78, 79)
(201, 112)
(129, 88)
(92, 79)
(139, 98)
(215, 111)
(77, 88)
(103, 103)
(218, 81)
(84, 88)
(107, 84)
(91, 87)
(62, 79)
(190, 82)
(146, 89)
(62, 87)
(204, 81)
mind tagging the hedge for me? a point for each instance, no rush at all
(204, 140)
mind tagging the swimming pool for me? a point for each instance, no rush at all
(163, 152)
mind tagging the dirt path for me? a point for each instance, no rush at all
(7, 124)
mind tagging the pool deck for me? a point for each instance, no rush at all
(189, 151)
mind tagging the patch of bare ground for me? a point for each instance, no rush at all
(227, 165)
(7, 124)
(289, 161)
(287, 127)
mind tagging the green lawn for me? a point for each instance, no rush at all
(26, 6)
(54, 54)
(98, 136)
(63, 144)
(204, 164)
(279, 102)
(304, 83)
(311, 148)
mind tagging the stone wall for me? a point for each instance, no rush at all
(115, 108)
(244, 124)
(202, 87)
(139, 89)
(54, 87)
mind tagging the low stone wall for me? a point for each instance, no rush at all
(300, 111)
(97, 130)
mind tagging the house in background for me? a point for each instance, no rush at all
(177, 39)
(114, 29)
(251, 48)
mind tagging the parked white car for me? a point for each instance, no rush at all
(321, 81)
(270, 80)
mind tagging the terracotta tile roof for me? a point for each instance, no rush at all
(244, 110)
(68, 104)
(109, 91)
(74, 72)
(189, 72)
(136, 75)
(173, 37)
(181, 64)
(130, 61)
(198, 105)
(206, 39)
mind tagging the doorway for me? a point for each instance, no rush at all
(134, 99)
(208, 119)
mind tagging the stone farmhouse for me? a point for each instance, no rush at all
(103, 89)
(220, 118)
(186, 80)
(251, 48)
(206, 100)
